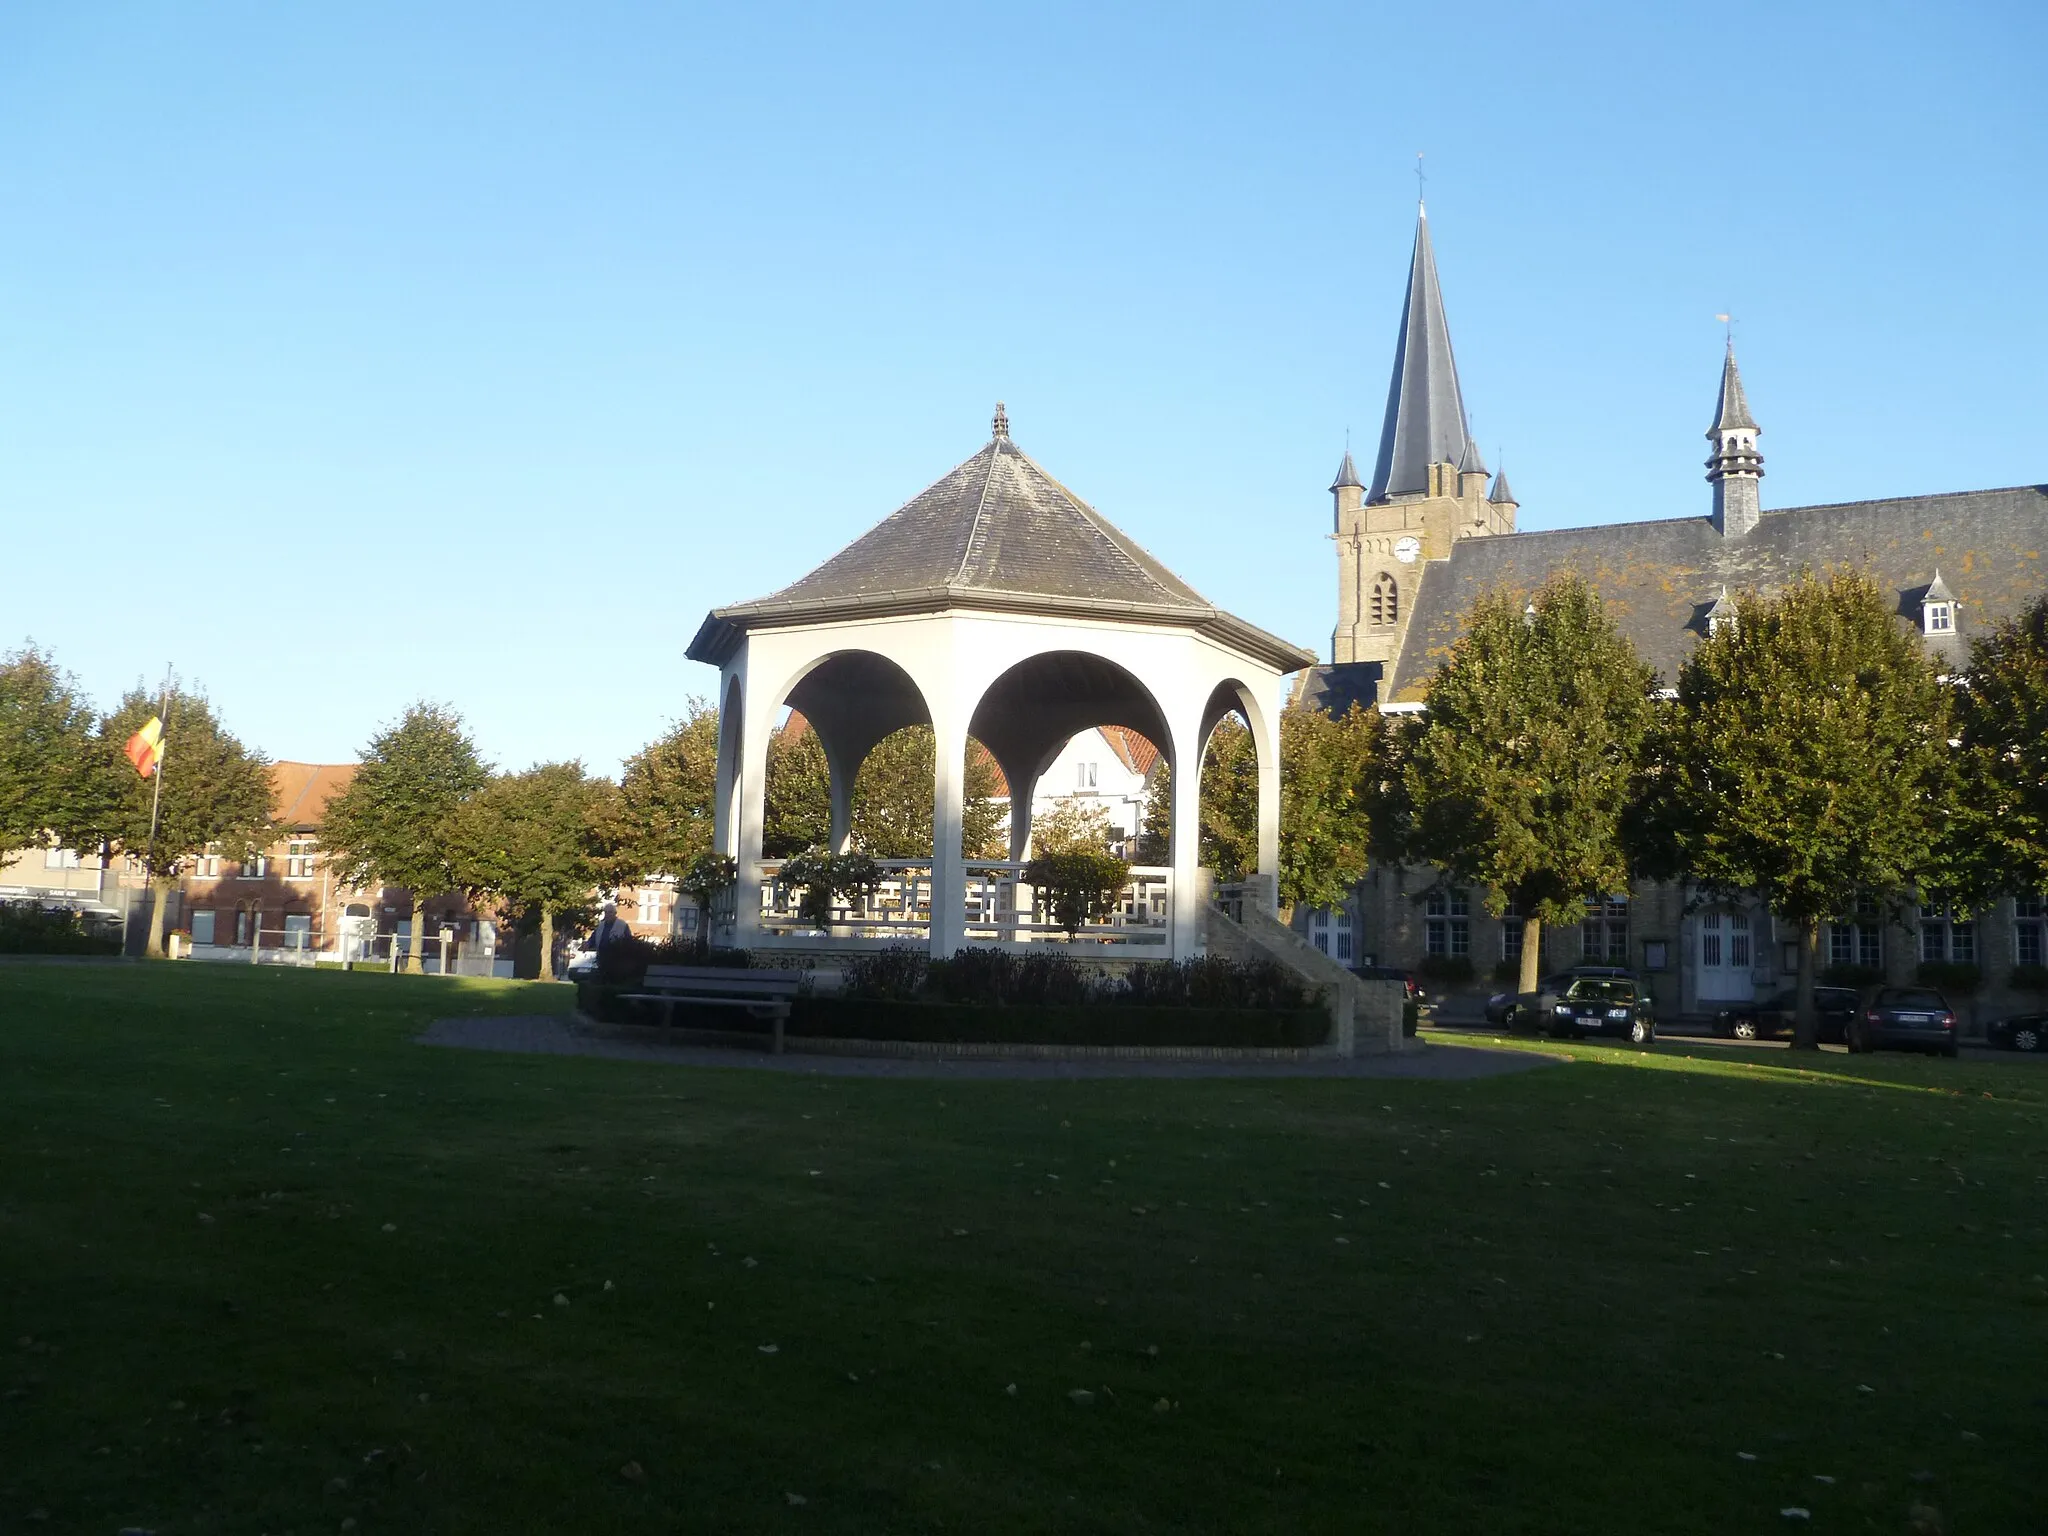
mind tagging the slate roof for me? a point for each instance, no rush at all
(1425, 421)
(1658, 579)
(1334, 688)
(1500, 494)
(1347, 473)
(995, 532)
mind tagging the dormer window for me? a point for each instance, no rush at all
(1938, 618)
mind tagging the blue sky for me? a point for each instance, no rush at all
(355, 354)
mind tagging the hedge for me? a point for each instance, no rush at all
(844, 1018)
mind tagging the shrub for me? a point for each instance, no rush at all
(1050, 977)
(1080, 885)
(2029, 978)
(624, 961)
(825, 877)
(1454, 969)
(1212, 981)
(27, 929)
(1852, 976)
(977, 976)
(893, 975)
(1950, 975)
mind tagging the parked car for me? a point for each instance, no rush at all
(1501, 1007)
(1907, 1019)
(581, 960)
(1602, 1005)
(2020, 1034)
(1774, 1016)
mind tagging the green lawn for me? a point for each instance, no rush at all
(270, 1267)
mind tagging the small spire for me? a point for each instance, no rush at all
(1469, 462)
(1500, 495)
(1937, 590)
(1347, 474)
(1732, 409)
(1001, 424)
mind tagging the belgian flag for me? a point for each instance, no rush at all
(145, 748)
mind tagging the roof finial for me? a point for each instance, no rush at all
(1728, 329)
(1420, 207)
(1002, 422)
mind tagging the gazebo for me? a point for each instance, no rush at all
(994, 605)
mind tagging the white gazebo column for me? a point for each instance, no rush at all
(725, 820)
(1266, 736)
(753, 807)
(841, 778)
(1184, 910)
(949, 796)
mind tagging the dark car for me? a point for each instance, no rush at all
(1906, 1019)
(1602, 1005)
(2021, 1034)
(1774, 1016)
(1500, 1008)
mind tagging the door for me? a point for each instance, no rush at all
(1724, 951)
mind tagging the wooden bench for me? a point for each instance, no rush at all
(764, 994)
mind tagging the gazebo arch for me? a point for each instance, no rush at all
(996, 603)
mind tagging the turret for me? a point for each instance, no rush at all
(1735, 466)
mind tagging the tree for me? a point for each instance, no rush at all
(1325, 816)
(1155, 833)
(532, 841)
(798, 812)
(892, 798)
(1325, 813)
(660, 820)
(2003, 730)
(1807, 759)
(216, 793)
(1518, 776)
(45, 751)
(391, 824)
(1071, 824)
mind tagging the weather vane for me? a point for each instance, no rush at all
(1419, 178)
(1728, 327)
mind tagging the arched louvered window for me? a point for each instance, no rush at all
(1385, 607)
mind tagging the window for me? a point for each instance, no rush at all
(1447, 929)
(1344, 940)
(1319, 929)
(299, 858)
(245, 925)
(254, 867)
(2030, 931)
(1084, 775)
(1946, 936)
(686, 918)
(1385, 604)
(202, 928)
(298, 930)
(1938, 618)
(1857, 938)
(1603, 935)
(206, 866)
(60, 858)
(1511, 934)
(650, 903)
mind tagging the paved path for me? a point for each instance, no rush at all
(544, 1035)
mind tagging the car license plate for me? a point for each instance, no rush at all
(1916, 1018)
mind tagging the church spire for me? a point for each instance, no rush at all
(1736, 466)
(1425, 422)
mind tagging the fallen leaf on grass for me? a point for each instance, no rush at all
(633, 1472)
(1081, 1397)
(769, 1349)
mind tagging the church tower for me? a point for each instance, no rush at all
(1736, 466)
(1429, 484)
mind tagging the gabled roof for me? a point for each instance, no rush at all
(299, 792)
(1731, 411)
(1134, 751)
(1658, 579)
(1425, 422)
(996, 532)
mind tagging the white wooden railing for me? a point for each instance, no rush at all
(1000, 906)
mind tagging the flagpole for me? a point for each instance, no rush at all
(156, 800)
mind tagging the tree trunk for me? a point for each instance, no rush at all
(159, 899)
(1532, 955)
(416, 951)
(547, 943)
(1805, 1018)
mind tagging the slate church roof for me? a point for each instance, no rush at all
(1425, 422)
(1658, 579)
(996, 532)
